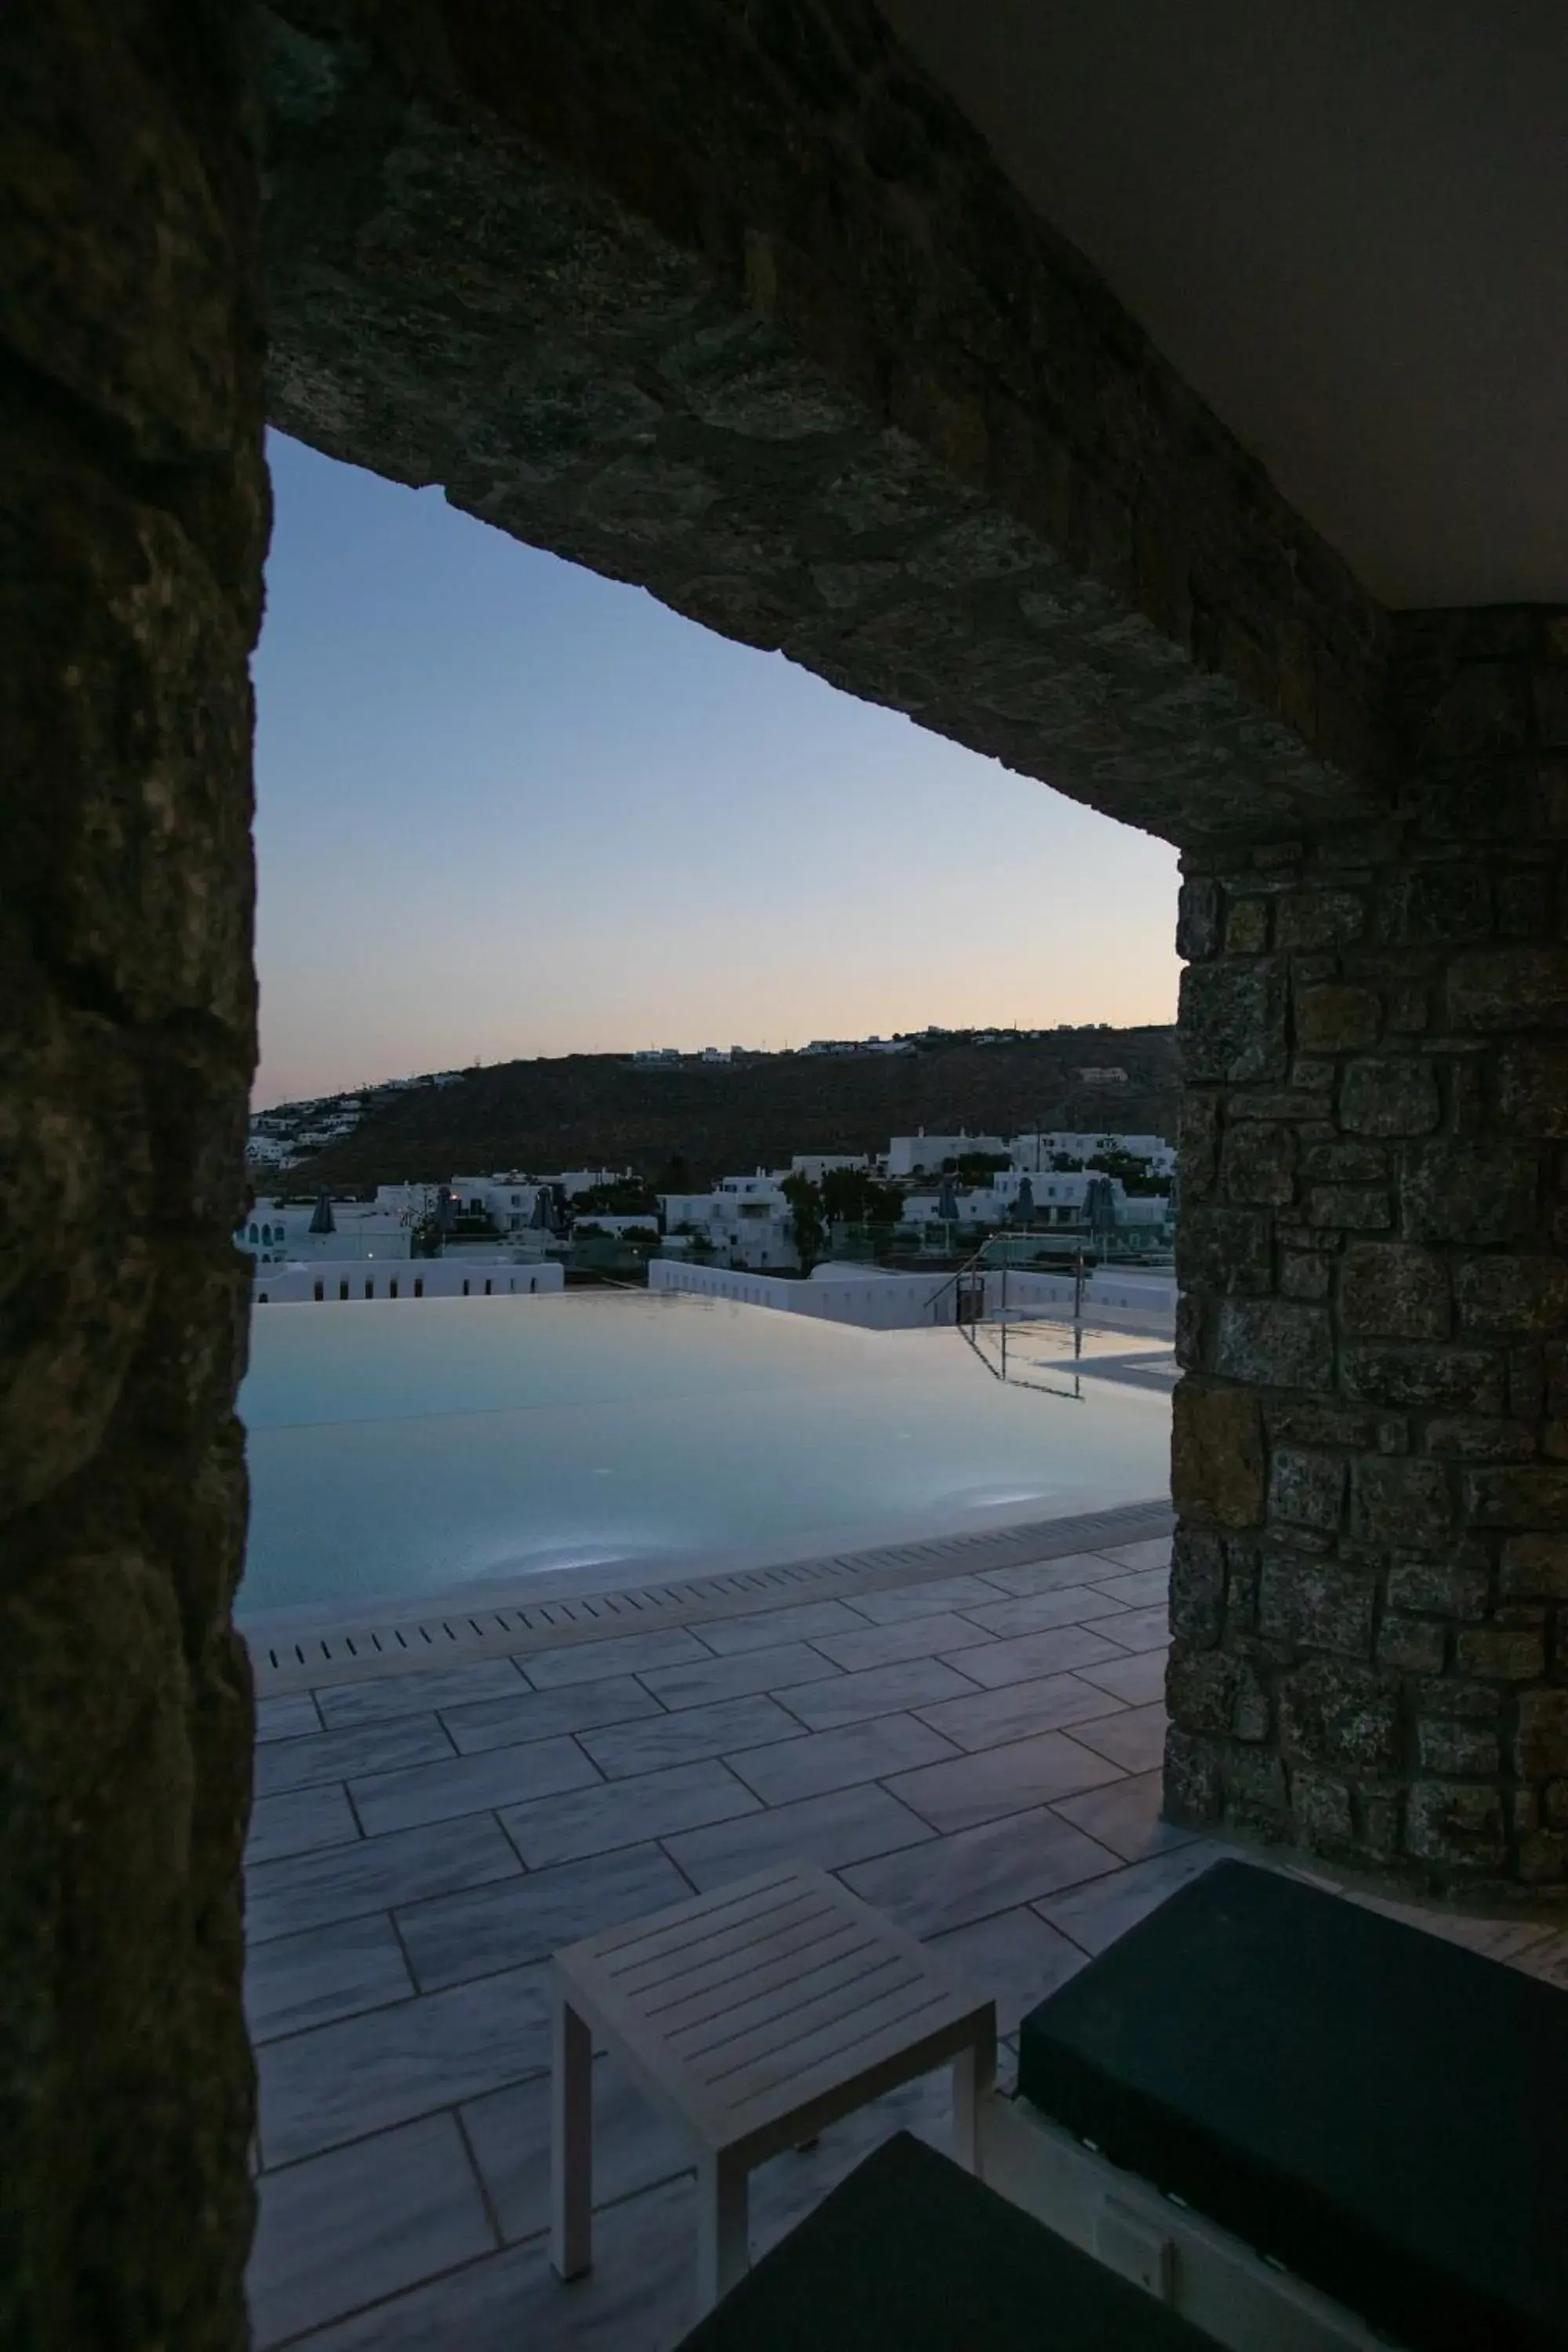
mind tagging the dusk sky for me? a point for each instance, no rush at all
(507, 808)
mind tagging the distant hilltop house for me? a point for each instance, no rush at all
(1102, 1078)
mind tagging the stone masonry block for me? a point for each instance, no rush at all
(1260, 1163)
(1535, 1568)
(1194, 1795)
(1216, 1455)
(1319, 919)
(1306, 1274)
(1458, 1751)
(1337, 1713)
(1197, 1588)
(1401, 1503)
(1233, 1022)
(1390, 1291)
(1226, 1250)
(1198, 1148)
(1451, 1588)
(1246, 928)
(1468, 1191)
(1541, 1742)
(1274, 1344)
(1532, 1089)
(1198, 919)
(1513, 1654)
(1456, 1822)
(1333, 1019)
(1324, 1808)
(1527, 1499)
(1354, 1208)
(1345, 1164)
(1439, 906)
(1510, 988)
(1415, 1644)
(1210, 1691)
(1306, 1489)
(1504, 1295)
(1315, 1603)
(1411, 1379)
(1389, 1097)
(1465, 1438)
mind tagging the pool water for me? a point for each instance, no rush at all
(401, 1449)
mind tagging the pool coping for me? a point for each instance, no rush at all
(441, 1630)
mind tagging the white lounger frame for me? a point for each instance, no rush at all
(1191, 2264)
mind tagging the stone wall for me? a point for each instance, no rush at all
(135, 516)
(812, 373)
(1369, 1599)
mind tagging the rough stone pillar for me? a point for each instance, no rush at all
(132, 499)
(1369, 1598)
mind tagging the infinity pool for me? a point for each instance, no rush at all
(398, 1448)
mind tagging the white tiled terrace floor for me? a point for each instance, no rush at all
(977, 1756)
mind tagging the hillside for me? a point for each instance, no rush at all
(593, 1110)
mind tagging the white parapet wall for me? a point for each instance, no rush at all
(1143, 1305)
(344, 1281)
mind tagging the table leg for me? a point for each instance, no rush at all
(723, 2254)
(571, 2143)
(973, 2072)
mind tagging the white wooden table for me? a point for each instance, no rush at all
(753, 2017)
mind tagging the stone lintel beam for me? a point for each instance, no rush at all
(735, 303)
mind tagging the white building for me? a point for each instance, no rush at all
(926, 1155)
(816, 1164)
(1036, 1153)
(1055, 1200)
(352, 1281)
(745, 1220)
(277, 1231)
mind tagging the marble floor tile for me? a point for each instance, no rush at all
(703, 1683)
(639, 2297)
(1028, 1656)
(1094, 1916)
(884, 1690)
(548, 1713)
(901, 1602)
(1135, 1739)
(297, 1981)
(340, 2082)
(624, 1653)
(1079, 1567)
(1547, 1958)
(1015, 1710)
(727, 1637)
(812, 1762)
(843, 1826)
(688, 1735)
(1015, 1957)
(282, 1898)
(471, 1784)
(1012, 1778)
(930, 1888)
(1034, 1613)
(1139, 1680)
(337, 1755)
(1138, 1629)
(288, 1717)
(625, 1812)
(1125, 1816)
(508, 2131)
(910, 1637)
(345, 1704)
(517, 1920)
(1154, 1552)
(298, 1821)
(1148, 1588)
(344, 2230)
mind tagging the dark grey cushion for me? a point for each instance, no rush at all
(913, 2254)
(1383, 2112)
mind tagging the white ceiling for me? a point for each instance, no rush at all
(1346, 224)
